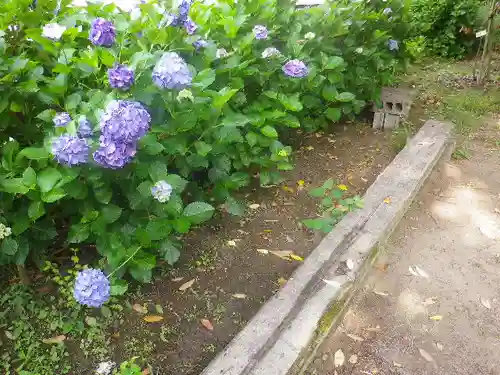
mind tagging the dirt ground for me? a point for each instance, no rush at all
(431, 304)
(232, 279)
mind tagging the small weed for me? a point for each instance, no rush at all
(210, 348)
(334, 205)
(461, 153)
(401, 135)
(142, 347)
(166, 333)
(206, 260)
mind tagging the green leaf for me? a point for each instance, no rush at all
(73, 101)
(182, 225)
(150, 145)
(169, 251)
(158, 171)
(223, 96)
(158, 229)
(202, 148)
(291, 102)
(328, 184)
(103, 194)
(346, 97)
(141, 267)
(252, 138)
(318, 192)
(53, 195)
(9, 246)
(235, 120)
(118, 287)
(36, 210)
(334, 62)
(333, 114)
(269, 131)
(111, 213)
(47, 115)
(330, 93)
(198, 212)
(14, 186)
(234, 207)
(33, 153)
(204, 79)
(177, 182)
(47, 179)
(78, 233)
(29, 177)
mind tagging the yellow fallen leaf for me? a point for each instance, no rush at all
(254, 206)
(153, 318)
(186, 285)
(343, 187)
(268, 230)
(282, 281)
(263, 251)
(283, 254)
(300, 182)
(288, 189)
(139, 308)
(388, 200)
(54, 340)
(207, 324)
(309, 148)
(231, 243)
(436, 318)
(296, 257)
(239, 296)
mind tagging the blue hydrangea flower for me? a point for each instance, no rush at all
(114, 154)
(171, 72)
(92, 288)
(84, 128)
(70, 150)
(184, 8)
(124, 121)
(387, 11)
(161, 191)
(61, 119)
(260, 32)
(393, 45)
(121, 77)
(270, 52)
(200, 43)
(102, 33)
(295, 68)
(190, 26)
(168, 19)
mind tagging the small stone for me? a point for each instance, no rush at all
(325, 357)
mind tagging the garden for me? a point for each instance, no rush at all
(165, 167)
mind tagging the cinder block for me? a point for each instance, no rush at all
(391, 121)
(396, 105)
(378, 120)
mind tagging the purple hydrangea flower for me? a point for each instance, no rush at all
(114, 154)
(161, 191)
(70, 150)
(92, 288)
(124, 121)
(171, 72)
(387, 11)
(121, 77)
(260, 32)
(393, 45)
(102, 33)
(190, 26)
(295, 68)
(61, 119)
(200, 43)
(169, 19)
(184, 8)
(84, 128)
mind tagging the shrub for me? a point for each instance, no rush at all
(447, 25)
(120, 127)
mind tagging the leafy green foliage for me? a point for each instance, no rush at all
(446, 25)
(334, 205)
(205, 142)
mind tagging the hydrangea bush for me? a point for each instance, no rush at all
(119, 127)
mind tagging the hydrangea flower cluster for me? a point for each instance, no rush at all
(393, 45)
(53, 31)
(309, 36)
(171, 72)
(70, 150)
(190, 26)
(5, 231)
(92, 288)
(200, 43)
(387, 11)
(61, 119)
(270, 52)
(221, 53)
(121, 77)
(260, 32)
(84, 128)
(102, 33)
(161, 191)
(295, 69)
(123, 123)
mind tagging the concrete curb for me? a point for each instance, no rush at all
(286, 330)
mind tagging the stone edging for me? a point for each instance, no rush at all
(282, 335)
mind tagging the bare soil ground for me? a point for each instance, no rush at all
(231, 278)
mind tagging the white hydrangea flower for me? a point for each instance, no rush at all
(310, 36)
(185, 94)
(359, 50)
(105, 368)
(221, 53)
(270, 52)
(5, 231)
(53, 31)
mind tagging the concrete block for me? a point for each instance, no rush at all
(378, 120)
(391, 121)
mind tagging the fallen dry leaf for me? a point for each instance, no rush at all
(350, 264)
(263, 251)
(430, 301)
(426, 355)
(383, 294)
(239, 296)
(353, 359)
(301, 182)
(382, 267)
(355, 338)
(373, 329)
(207, 324)
(254, 206)
(283, 254)
(146, 372)
(54, 340)
(333, 283)
(439, 346)
(187, 285)
(296, 257)
(417, 271)
(486, 303)
(288, 189)
(396, 364)
(282, 281)
(231, 243)
(153, 318)
(177, 279)
(309, 148)
(388, 200)
(139, 308)
(339, 358)
(343, 187)
(436, 318)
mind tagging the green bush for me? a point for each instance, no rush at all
(447, 25)
(205, 141)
